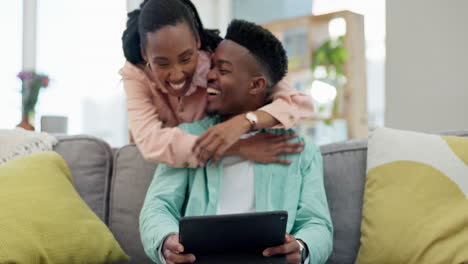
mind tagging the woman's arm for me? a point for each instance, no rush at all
(171, 146)
(288, 108)
(266, 148)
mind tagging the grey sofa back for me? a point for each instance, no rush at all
(344, 165)
(115, 188)
(344, 176)
(90, 163)
(132, 177)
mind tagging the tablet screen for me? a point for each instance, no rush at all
(235, 233)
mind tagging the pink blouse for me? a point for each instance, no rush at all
(154, 115)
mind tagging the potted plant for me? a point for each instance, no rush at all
(328, 66)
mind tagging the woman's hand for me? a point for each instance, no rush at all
(219, 138)
(266, 148)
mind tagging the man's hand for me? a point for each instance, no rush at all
(217, 139)
(265, 148)
(172, 251)
(290, 248)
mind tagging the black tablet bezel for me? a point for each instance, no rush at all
(234, 233)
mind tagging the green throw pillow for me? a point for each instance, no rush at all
(415, 208)
(44, 220)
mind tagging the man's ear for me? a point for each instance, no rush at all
(258, 85)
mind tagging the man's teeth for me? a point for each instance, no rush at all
(212, 91)
(177, 86)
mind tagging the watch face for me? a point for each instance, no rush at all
(252, 117)
(303, 251)
(303, 254)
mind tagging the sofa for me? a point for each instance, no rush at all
(113, 182)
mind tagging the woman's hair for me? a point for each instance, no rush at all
(155, 14)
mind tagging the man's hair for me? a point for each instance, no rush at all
(263, 45)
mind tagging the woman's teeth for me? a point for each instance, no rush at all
(177, 86)
(212, 91)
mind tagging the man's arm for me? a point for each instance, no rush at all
(313, 223)
(161, 210)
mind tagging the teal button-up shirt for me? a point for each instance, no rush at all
(296, 188)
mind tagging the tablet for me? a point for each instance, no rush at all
(234, 233)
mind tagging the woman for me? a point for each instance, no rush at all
(165, 78)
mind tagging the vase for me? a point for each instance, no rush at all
(26, 122)
(54, 124)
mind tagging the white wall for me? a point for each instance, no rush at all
(133, 4)
(215, 14)
(427, 64)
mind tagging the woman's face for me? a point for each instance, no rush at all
(172, 52)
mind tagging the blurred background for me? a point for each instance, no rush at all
(365, 63)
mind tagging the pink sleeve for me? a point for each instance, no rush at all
(171, 146)
(289, 106)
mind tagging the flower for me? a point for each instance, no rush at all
(45, 81)
(25, 75)
(32, 83)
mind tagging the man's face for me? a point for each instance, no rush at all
(230, 79)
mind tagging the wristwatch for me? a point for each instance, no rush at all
(252, 118)
(302, 250)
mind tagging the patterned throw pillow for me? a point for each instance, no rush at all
(44, 220)
(415, 206)
(16, 143)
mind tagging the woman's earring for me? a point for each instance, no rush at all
(148, 65)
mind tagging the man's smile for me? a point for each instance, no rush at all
(212, 91)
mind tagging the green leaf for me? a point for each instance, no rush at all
(332, 55)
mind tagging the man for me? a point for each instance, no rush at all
(245, 66)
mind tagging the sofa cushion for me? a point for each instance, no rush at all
(43, 218)
(415, 200)
(90, 162)
(131, 178)
(344, 175)
(19, 142)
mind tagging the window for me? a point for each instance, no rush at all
(79, 47)
(10, 64)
